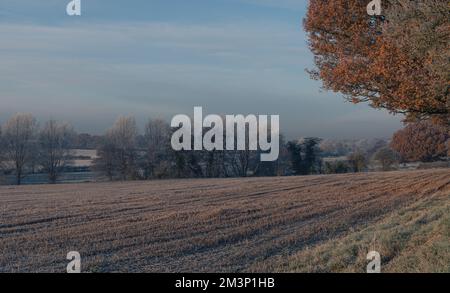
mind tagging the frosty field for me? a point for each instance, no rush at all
(282, 224)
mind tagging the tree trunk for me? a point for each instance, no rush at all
(19, 178)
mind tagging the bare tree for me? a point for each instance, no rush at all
(117, 154)
(357, 161)
(123, 135)
(54, 147)
(241, 162)
(156, 139)
(387, 157)
(19, 140)
(2, 159)
(106, 157)
(213, 163)
(2, 146)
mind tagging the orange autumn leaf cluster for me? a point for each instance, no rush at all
(422, 141)
(399, 62)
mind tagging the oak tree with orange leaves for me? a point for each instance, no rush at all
(398, 62)
(423, 141)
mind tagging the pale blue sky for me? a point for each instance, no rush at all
(161, 58)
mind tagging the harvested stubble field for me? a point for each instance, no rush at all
(291, 224)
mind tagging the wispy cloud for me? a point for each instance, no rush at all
(290, 4)
(91, 72)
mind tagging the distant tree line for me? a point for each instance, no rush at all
(125, 154)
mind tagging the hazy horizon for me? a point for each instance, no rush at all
(157, 59)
